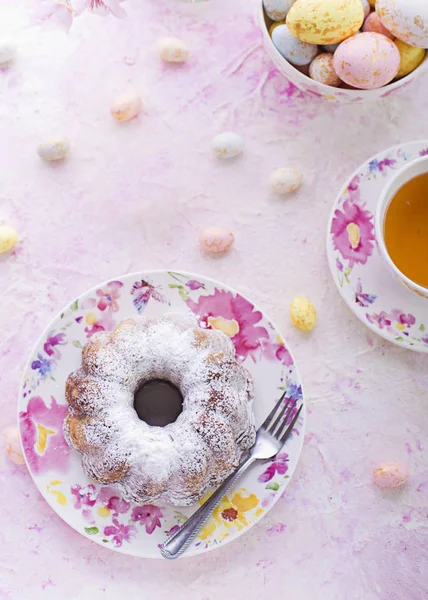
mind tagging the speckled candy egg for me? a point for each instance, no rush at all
(13, 446)
(302, 313)
(216, 239)
(390, 475)
(54, 149)
(406, 19)
(325, 21)
(277, 9)
(410, 57)
(294, 50)
(373, 23)
(321, 69)
(285, 180)
(8, 238)
(173, 50)
(367, 61)
(227, 145)
(126, 107)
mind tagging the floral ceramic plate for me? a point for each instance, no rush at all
(365, 283)
(98, 512)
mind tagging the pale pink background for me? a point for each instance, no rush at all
(134, 196)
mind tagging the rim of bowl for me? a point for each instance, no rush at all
(381, 209)
(328, 89)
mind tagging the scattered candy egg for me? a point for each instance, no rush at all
(391, 475)
(406, 19)
(294, 50)
(8, 238)
(54, 149)
(7, 54)
(410, 57)
(126, 107)
(173, 50)
(216, 239)
(227, 145)
(285, 180)
(373, 23)
(321, 69)
(366, 7)
(367, 60)
(325, 21)
(302, 313)
(277, 9)
(13, 446)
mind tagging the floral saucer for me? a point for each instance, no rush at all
(99, 513)
(364, 282)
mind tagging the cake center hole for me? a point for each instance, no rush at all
(158, 402)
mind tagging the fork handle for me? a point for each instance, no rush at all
(183, 537)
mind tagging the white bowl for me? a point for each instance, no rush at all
(308, 85)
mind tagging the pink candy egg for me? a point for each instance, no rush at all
(216, 239)
(13, 446)
(373, 23)
(367, 60)
(390, 475)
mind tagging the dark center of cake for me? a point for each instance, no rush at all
(158, 402)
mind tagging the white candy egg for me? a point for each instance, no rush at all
(285, 180)
(173, 50)
(321, 69)
(54, 149)
(7, 54)
(294, 50)
(216, 239)
(126, 107)
(277, 9)
(8, 238)
(227, 145)
(13, 446)
(405, 19)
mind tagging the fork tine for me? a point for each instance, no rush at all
(283, 425)
(279, 419)
(273, 413)
(292, 424)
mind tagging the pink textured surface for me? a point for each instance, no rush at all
(134, 196)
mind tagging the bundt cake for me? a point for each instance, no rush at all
(177, 462)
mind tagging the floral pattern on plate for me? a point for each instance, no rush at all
(364, 282)
(99, 512)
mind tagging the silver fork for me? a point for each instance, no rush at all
(270, 438)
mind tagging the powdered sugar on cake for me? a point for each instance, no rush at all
(177, 462)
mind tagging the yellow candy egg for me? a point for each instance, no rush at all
(390, 475)
(13, 446)
(285, 180)
(126, 107)
(302, 313)
(325, 21)
(405, 19)
(410, 57)
(216, 239)
(8, 238)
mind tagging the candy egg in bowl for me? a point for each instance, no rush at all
(343, 50)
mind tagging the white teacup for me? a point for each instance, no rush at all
(407, 173)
